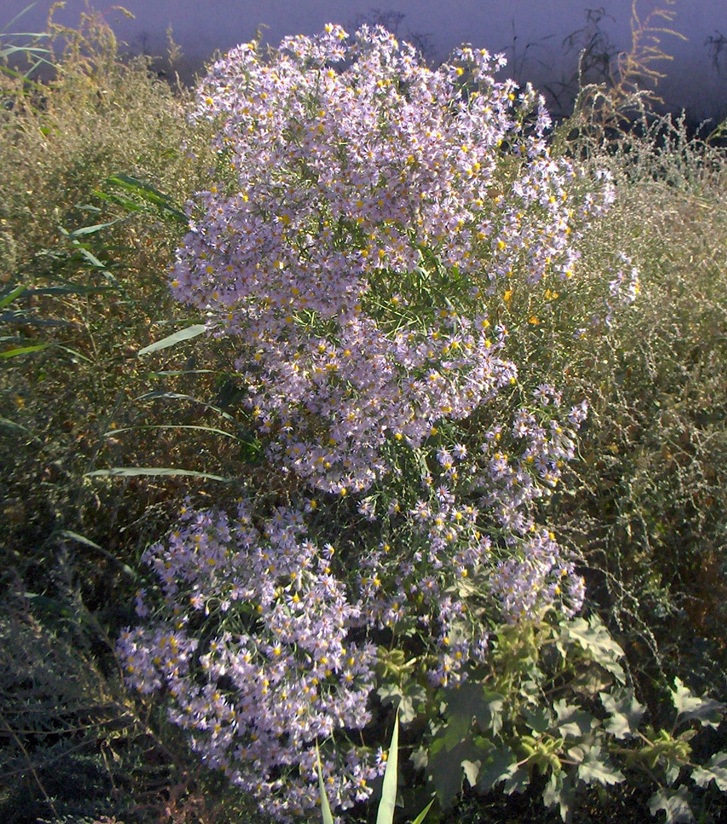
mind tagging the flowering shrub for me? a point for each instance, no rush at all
(375, 204)
(276, 671)
(369, 214)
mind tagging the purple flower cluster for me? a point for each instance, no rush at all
(365, 186)
(436, 551)
(367, 211)
(537, 577)
(469, 551)
(277, 671)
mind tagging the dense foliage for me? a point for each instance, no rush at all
(440, 440)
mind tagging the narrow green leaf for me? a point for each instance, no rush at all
(75, 353)
(71, 290)
(91, 258)
(8, 51)
(171, 340)
(325, 805)
(387, 805)
(180, 397)
(174, 373)
(112, 432)
(17, 17)
(91, 230)
(149, 194)
(13, 425)
(135, 471)
(81, 539)
(10, 297)
(423, 814)
(23, 350)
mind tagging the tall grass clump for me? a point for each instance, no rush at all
(86, 241)
(654, 452)
(347, 396)
(95, 159)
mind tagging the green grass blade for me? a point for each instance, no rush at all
(325, 806)
(81, 539)
(23, 350)
(113, 432)
(10, 50)
(149, 194)
(136, 471)
(176, 396)
(387, 804)
(8, 424)
(171, 340)
(6, 300)
(18, 16)
(91, 230)
(423, 814)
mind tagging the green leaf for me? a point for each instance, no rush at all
(572, 720)
(113, 432)
(179, 397)
(456, 730)
(81, 539)
(559, 790)
(705, 710)
(91, 230)
(594, 637)
(132, 471)
(325, 805)
(672, 769)
(625, 712)
(675, 803)
(597, 768)
(414, 695)
(390, 693)
(13, 425)
(387, 805)
(423, 814)
(496, 767)
(6, 300)
(445, 768)
(517, 780)
(23, 350)
(171, 340)
(538, 719)
(148, 194)
(714, 770)
(472, 700)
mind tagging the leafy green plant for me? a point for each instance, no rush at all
(555, 705)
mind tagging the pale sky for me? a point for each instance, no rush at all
(533, 33)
